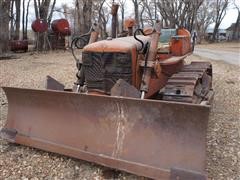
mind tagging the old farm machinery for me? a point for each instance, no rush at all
(136, 106)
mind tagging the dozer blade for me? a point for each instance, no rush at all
(156, 139)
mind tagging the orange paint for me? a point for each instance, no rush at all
(181, 44)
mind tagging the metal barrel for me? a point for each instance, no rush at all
(156, 139)
(61, 26)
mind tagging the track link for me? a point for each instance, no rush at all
(191, 85)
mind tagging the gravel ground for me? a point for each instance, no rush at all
(225, 46)
(30, 70)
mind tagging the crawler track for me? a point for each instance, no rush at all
(192, 84)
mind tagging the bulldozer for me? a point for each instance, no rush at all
(136, 106)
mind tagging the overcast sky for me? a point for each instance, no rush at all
(230, 17)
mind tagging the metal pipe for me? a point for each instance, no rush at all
(114, 19)
(150, 56)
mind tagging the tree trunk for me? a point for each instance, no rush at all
(18, 12)
(236, 29)
(215, 32)
(135, 3)
(102, 19)
(87, 15)
(84, 15)
(36, 9)
(123, 18)
(4, 27)
(23, 19)
(141, 16)
(12, 20)
(78, 19)
(221, 7)
(25, 35)
(43, 9)
(43, 14)
(51, 13)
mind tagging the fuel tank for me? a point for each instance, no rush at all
(61, 26)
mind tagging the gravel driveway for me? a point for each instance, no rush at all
(30, 70)
(227, 56)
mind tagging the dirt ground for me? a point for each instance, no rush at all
(225, 46)
(30, 70)
(227, 52)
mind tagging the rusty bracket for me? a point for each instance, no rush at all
(182, 174)
(8, 134)
(53, 84)
(122, 88)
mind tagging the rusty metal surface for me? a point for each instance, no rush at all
(147, 137)
(192, 84)
(114, 11)
(19, 45)
(61, 26)
(9, 134)
(123, 44)
(102, 70)
(53, 84)
(124, 89)
(149, 56)
(182, 174)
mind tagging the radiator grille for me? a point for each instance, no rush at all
(102, 70)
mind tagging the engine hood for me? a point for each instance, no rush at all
(124, 44)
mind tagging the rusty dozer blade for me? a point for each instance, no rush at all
(156, 139)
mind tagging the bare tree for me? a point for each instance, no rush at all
(23, 19)
(220, 11)
(191, 14)
(148, 13)
(122, 8)
(179, 13)
(136, 10)
(12, 19)
(44, 9)
(101, 15)
(65, 11)
(204, 18)
(103, 20)
(36, 9)
(141, 16)
(236, 29)
(170, 11)
(87, 15)
(51, 12)
(4, 27)
(41, 8)
(78, 12)
(25, 36)
(84, 15)
(42, 12)
(18, 12)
